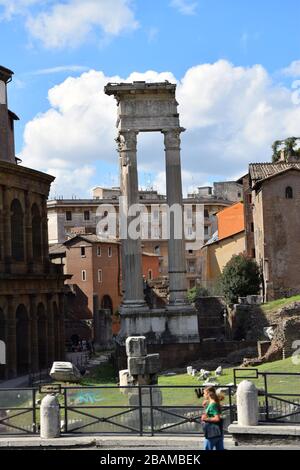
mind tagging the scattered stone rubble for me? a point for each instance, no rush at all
(283, 330)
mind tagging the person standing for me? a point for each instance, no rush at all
(212, 420)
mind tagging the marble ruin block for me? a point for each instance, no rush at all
(146, 365)
(136, 346)
(65, 372)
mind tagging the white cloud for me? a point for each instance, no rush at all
(70, 24)
(16, 7)
(61, 69)
(59, 24)
(73, 180)
(78, 129)
(185, 7)
(293, 70)
(232, 115)
(190, 181)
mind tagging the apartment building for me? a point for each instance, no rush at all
(70, 217)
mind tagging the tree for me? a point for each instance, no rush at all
(241, 277)
(195, 292)
(289, 145)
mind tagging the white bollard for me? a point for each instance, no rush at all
(247, 404)
(50, 417)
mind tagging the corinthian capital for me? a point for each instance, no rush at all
(127, 141)
(172, 138)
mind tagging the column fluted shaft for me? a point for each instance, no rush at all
(132, 277)
(176, 244)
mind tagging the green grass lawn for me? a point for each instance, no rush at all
(172, 396)
(278, 383)
(276, 304)
(104, 376)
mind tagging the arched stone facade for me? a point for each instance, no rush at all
(31, 287)
(26, 324)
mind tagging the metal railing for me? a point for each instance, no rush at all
(142, 410)
(279, 394)
(18, 411)
(147, 410)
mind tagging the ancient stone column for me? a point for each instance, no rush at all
(176, 244)
(131, 249)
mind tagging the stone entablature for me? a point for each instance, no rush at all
(145, 106)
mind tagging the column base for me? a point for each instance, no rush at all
(133, 307)
(174, 324)
(181, 307)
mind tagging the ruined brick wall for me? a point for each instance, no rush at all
(211, 316)
(247, 322)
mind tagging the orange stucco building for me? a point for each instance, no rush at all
(231, 220)
(229, 240)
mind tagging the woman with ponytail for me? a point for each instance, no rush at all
(212, 419)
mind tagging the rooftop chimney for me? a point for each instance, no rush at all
(7, 118)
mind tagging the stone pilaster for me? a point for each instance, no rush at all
(176, 244)
(61, 326)
(6, 229)
(50, 329)
(131, 249)
(28, 233)
(11, 347)
(34, 335)
(45, 239)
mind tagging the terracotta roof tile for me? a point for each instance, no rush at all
(260, 171)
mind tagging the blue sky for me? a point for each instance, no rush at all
(247, 45)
